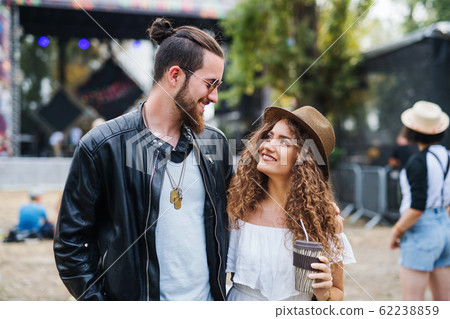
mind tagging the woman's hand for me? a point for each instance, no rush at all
(406, 221)
(323, 281)
(396, 236)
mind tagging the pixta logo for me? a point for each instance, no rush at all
(145, 146)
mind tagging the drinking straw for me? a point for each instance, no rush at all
(304, 230)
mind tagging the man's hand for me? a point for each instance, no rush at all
(339, 219)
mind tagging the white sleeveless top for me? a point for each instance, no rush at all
(261, 259)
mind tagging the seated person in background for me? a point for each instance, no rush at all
(33, 222)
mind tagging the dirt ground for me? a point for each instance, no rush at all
(28, 271)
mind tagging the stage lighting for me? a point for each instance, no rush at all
(83, 44)
(136, 44)
(43, 41)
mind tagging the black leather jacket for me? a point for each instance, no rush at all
(105, 239)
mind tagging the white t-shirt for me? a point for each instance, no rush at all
(180, 237)
(422, 180)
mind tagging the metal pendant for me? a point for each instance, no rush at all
(177, 203)
(173, 195)
(176, 196)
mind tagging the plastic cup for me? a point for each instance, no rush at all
(305, 253)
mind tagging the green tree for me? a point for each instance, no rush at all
(36, 63)
(435, 10)
(289, 46)
(441, 9)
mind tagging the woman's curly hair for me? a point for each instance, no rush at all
(310, 198)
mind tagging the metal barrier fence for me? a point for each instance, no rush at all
(22, 173)
(347, 183)
(369, 191)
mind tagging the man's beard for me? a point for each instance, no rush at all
(190, 114)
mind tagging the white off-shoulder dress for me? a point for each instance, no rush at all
(261, 259)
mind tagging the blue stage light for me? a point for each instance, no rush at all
(136, 44)
(83, 44)
(43, 41)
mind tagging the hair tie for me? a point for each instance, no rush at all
(171, 29)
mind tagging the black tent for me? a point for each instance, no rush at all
(415, 68)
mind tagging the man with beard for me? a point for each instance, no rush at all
(143, 211)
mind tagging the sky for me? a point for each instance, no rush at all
(390, 15)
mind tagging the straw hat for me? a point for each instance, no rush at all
(426, 118)
(312, 122)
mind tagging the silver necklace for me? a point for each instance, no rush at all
(176, 194)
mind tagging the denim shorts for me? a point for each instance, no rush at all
(426, 245)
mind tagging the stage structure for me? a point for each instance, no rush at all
(101, 19)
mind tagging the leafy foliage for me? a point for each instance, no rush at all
(290, 47)
(436, 10)
(36, 64)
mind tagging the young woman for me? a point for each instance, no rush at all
(423, 230)
(282, 182)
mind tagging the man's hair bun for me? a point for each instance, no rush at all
(160, 30)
